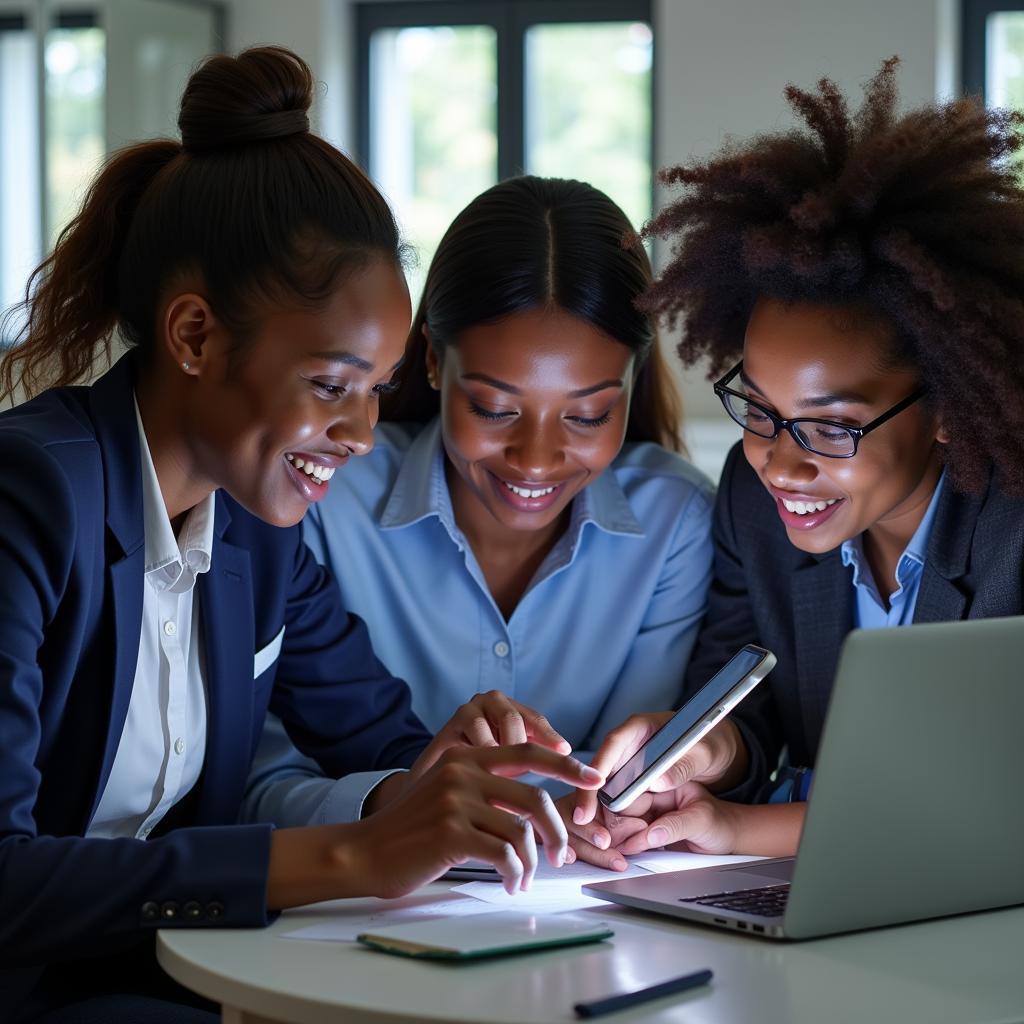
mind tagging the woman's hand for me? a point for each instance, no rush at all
(597, 842)
(465, 806)
(489, 720)
(718, 760)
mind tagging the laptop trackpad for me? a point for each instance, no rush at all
(751, 875)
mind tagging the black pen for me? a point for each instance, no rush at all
(642, 995)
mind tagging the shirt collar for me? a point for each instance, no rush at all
(420, 490)
(172, 563)
(913, 554)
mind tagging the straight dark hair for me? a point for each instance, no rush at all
(527, 243)
(251, 202)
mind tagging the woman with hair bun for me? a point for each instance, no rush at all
(857, 286)
(157, 596)
(524, 523)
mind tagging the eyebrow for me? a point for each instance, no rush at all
(351, 359)
(513, 390)
(819, 401)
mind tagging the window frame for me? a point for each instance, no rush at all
(973, 19)
(510, 20)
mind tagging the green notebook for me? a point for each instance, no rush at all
(480, 935)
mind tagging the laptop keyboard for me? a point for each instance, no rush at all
(768, 901)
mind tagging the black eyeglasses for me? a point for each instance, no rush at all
(822, 437)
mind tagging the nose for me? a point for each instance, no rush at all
(785, 464)
(535, 451)
(353, 429)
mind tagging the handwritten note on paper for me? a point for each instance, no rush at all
(346, 922)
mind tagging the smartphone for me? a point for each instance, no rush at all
(472, 871)
(711, 703)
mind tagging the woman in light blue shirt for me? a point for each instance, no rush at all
(524, 523)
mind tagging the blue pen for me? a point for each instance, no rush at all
(642, 995)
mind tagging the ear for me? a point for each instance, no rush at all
(189, 324)
(433, 364)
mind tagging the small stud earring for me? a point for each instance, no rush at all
(186, 365)
(432, 381)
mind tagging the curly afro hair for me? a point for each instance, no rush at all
(915, 219)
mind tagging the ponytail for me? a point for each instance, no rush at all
(252, 203)
(71, 297)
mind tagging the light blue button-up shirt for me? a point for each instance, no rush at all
(870, 611)
(605, 628)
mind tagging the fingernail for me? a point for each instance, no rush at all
(619, 864)
(657, 836)
(578, 815)
(602, 841)
(570, 856)
(589, 774)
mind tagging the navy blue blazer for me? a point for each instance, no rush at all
(71, 589)
(801, 606)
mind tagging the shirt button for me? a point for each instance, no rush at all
(501, 649)
(144, 832)
(179, 746)
(170, 629)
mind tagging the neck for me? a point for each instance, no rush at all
(180, 486)
(509, 559)
(885, 541)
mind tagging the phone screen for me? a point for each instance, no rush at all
(697, 707)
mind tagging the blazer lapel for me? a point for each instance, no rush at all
(822, 616)
(942, 597)
(112, 410)
(226, 607)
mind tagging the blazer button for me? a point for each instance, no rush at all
(169, 910)
(192, 910)
(150, 911)
(214, 910)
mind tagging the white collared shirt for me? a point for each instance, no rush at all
(163, 743)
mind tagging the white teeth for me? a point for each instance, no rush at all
(321, 474)
(526, 492)
(801, 508)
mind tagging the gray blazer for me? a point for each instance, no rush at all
(801, 606)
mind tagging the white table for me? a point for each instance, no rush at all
(969, 968)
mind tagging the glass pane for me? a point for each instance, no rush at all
(75, 72)
(1004, 60)
(433, 126)
(20, 241)
(588, 108)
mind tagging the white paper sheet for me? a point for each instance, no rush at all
(669, 860)
(554, 890)
(349, 921)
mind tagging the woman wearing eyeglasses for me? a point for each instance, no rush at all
(859, 285)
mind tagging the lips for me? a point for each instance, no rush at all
(311, 472)
(526, 495)
(804, 511)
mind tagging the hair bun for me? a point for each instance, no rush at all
(262, 94)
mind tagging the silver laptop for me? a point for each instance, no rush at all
(917, 803)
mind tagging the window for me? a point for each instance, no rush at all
(76, 83)
(993, 51)
(456, 96)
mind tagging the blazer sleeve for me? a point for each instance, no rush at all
(729, 624)
(339, 704)
(65, 896)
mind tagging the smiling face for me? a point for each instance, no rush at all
(273, 424)
(533, 408)
(821, 362)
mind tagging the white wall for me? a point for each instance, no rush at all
(721, 66)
